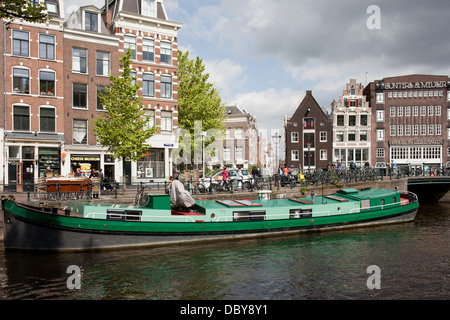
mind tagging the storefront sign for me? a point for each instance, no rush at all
(416, 85)
(85, 158)
(416, 142)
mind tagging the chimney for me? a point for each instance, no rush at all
(309, 92)
(107, 15)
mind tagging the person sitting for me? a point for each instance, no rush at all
(180, 198)
(78, 172)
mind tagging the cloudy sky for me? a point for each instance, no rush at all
(264, 54)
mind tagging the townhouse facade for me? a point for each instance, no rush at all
(308, 137)
(54, 73)
(33, 106)
(351, 125)
(240, 144)
(411, 122)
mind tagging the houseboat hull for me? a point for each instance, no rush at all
(32, 228)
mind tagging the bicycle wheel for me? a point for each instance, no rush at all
(143, 200)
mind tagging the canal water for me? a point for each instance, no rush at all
(411, 261)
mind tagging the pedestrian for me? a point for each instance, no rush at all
(224, 177)
(239, 178)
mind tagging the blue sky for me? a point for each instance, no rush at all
(264, 54)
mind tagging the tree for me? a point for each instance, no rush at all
(198, 101)
(28, 10)
(123, 129)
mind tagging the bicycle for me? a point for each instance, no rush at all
(142, 198)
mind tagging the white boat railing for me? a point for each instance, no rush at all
(92, 215)
(410, 195)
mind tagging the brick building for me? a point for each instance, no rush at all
(411, 117)
(143, 26)
(308, 137)
(33, 107)
(351, 123)
(91, 54)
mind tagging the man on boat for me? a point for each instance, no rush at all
(179, 197)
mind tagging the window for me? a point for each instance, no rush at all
(430, 129)
(392, 112)
(380, 152)
(308, 123)
(352, 120)
(308, 139)
(295, 155)
(166, 52)
(415, 111)
(380, 134)
(21, 118)
(166, 87)
(46, 47)
(392, 132)
(339, 136)
(47, 119)
(400, 111)
(448, 113)
(20, 45)
(323, 154)
(79, 60)
(380, 115)
(79, 131)
(166, 121)
(430, 110)
(148, 8)
(438, 110)
(227, 153)
(47, 83)
(407, 130)
(407, 111)
(101, 90)
(91, 21)
(150, 115)
(51, 8)
(438, 129)
(352, 135)
(363, 120)
(423, 111)
(294, 137)
(363, 135)
(102, 63)
(323, 136)
(21, 80)
(400, 130)
(133, 75)
(130, 43)
(423, 129)
(239, 153)
(380, 97)
(340, 120)
(352, 91)
(148, 84)
(415, 130)
(80, 95)
(148, 49)
(239, 133)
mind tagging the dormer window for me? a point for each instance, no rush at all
(148, 8)
(90, 21)
(52, 8)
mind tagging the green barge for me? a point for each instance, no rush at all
(89, 226)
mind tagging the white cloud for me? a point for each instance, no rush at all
(226, 74)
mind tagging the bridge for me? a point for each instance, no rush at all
(429, 188)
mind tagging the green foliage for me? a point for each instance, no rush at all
(12, 9)
(123, 129)
(198, 100)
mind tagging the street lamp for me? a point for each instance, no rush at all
(203, 152)
(276, 138)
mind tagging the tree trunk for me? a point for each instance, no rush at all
(124, 181)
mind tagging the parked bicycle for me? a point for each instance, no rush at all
(142, 198)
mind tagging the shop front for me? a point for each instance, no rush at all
(86, 162)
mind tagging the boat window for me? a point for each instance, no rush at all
(394, 199)
(127, 215)
(300, 213)
(365, 204)
(382, 202)
(257, 215)
(133, 215)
